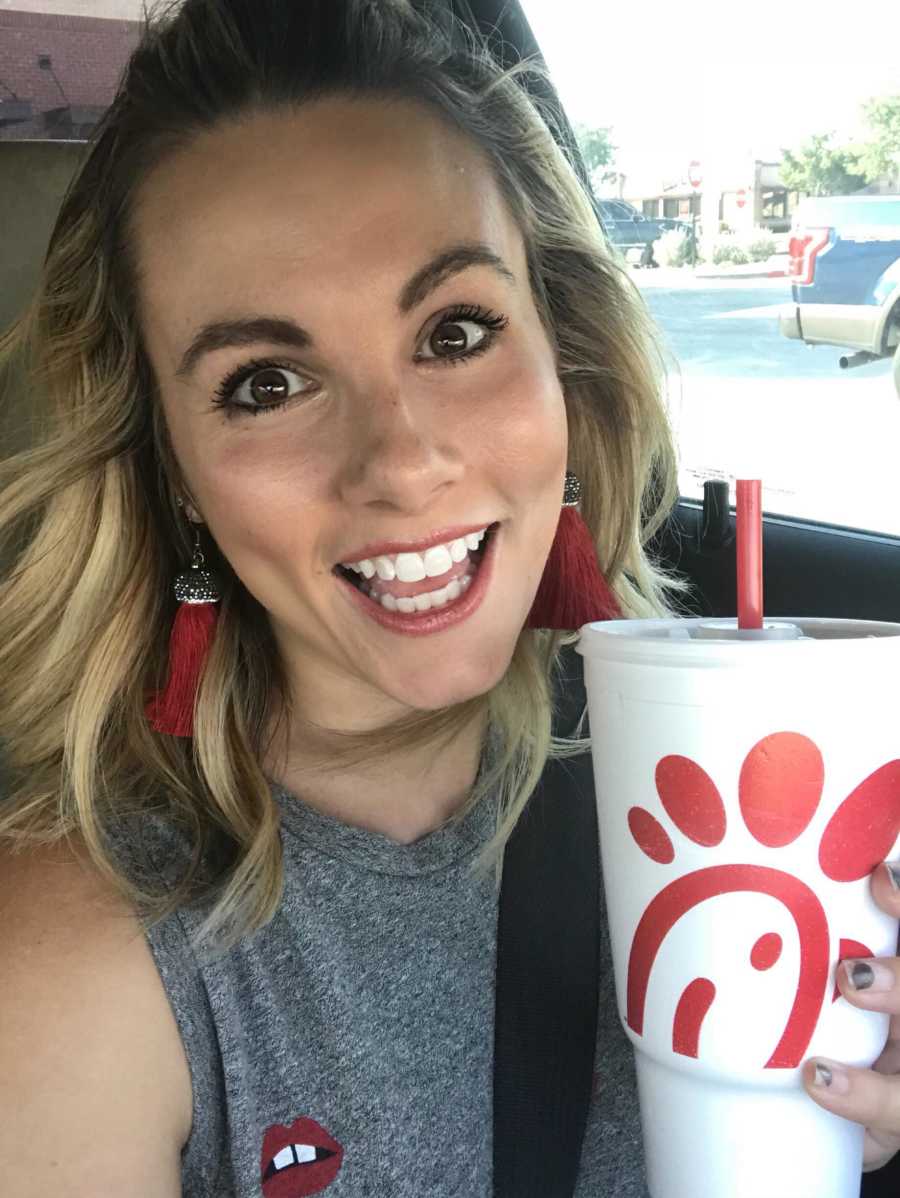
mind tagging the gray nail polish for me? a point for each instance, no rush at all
(861, 975)
(823, 1075)
(893, 868)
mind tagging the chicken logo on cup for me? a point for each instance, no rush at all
(779, 789)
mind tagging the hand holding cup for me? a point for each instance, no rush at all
(870, 1097)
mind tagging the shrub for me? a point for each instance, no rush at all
(673, 248)
(760, 245)
(729, 249)
(741, 248)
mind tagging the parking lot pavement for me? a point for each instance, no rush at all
(682, 278)
(729, 327)
(826, 450)
(747, 402)
(775, 267)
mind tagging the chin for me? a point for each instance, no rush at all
(435, 690)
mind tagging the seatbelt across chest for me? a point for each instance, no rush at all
(547, 984)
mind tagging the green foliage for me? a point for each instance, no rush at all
(820, 169)
(673, 248)
(595, 145)
(881, 155)
(740, 248)
(759, 245)
(728, 249)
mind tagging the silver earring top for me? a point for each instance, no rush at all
(572, 490)
(197, 584)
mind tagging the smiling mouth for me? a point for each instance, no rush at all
(427, 594)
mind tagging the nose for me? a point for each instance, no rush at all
(401, 456)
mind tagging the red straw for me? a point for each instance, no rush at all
(749, 553)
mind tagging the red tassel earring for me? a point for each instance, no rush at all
(573, 591)
(171, 710)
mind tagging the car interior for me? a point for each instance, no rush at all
(811, 568)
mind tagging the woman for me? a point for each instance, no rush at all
(324, 311)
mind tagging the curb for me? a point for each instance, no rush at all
(734, 274)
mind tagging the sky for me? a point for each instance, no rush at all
(713, 81)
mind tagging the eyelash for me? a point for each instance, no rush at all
(492, 322)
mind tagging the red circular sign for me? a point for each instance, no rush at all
(741, 198)
(695, 178)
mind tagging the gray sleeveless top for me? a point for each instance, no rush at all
(346, 1048)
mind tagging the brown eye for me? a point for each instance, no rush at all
(451, 338)
(265, 388)
(268, 386)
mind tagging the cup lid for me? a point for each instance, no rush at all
(720, 642)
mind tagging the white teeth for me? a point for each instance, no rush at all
(410, 567)
(429, 599)
(294, 1154)
(438, 560)
(413, 567)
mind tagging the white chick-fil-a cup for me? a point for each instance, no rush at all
(748, 782)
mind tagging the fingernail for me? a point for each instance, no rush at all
(893, 873)
(869, 975)
(830, 1076)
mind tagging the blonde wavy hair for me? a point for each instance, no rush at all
(88, 518)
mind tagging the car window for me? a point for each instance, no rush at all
(60, 61)
(781, 336)
(780, 150)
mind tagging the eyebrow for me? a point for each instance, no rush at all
(224, 334)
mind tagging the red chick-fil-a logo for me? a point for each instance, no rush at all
(780, 788)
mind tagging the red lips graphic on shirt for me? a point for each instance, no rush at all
(298, 1160)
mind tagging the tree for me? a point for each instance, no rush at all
(596, 148)
(820, 169)
(881, 155)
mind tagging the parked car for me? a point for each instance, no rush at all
(845, 271)
(633, 233)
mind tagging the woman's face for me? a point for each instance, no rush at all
(295, 254)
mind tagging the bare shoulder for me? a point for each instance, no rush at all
(93, 1075)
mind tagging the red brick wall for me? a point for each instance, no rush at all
(88, 55)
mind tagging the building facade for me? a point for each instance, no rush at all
(745, 196)
(60, 64)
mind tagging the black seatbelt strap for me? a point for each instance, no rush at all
(547, 979)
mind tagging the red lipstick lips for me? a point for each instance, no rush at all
(438, 619)
(310, 1170)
